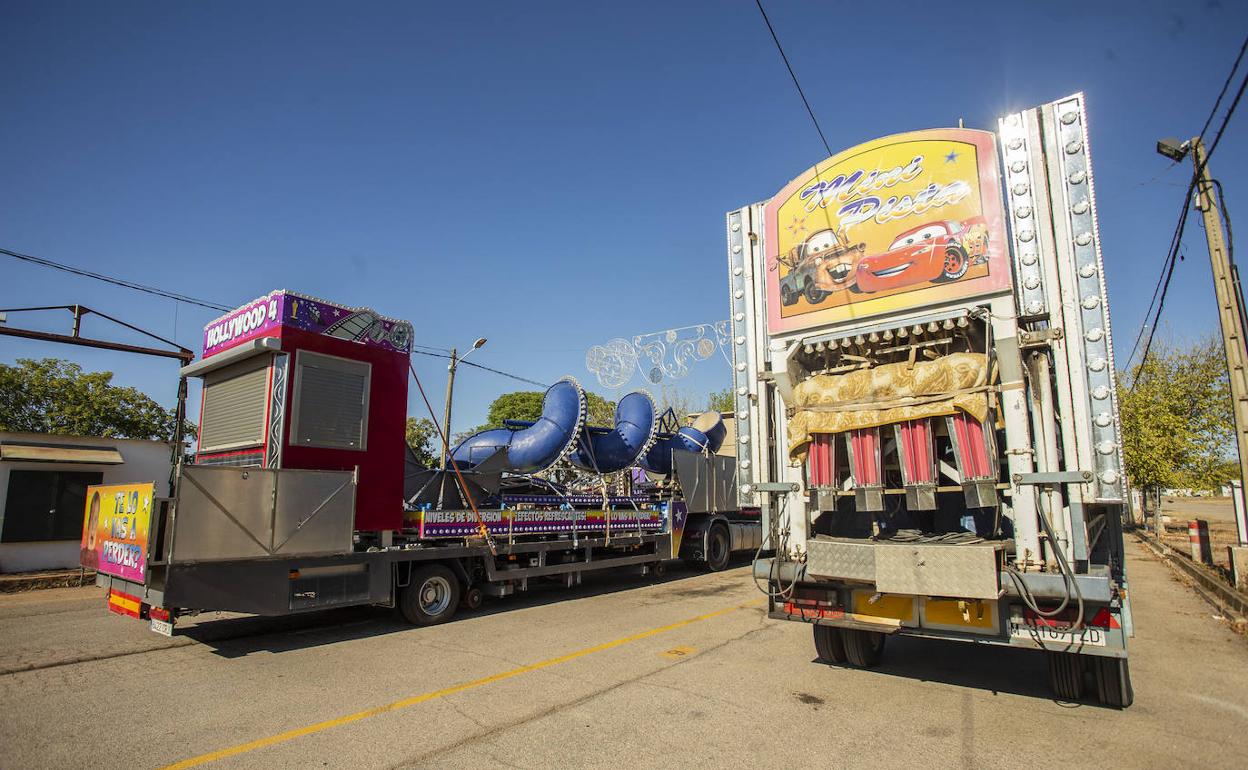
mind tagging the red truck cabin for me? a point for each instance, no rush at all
(296, 382)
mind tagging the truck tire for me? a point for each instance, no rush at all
(718, 548)
(829, 644)
(431, 597)
(1066, 675)
(814, 295)
(863, 648)
(1113, 682)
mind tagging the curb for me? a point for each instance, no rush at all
(1231, 603)
(33, 581)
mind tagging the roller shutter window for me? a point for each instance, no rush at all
(234, 405)
(331, 402)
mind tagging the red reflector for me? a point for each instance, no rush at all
(158, 613)
(1104, 619)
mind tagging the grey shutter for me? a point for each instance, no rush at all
(234, 402)
(331, 402)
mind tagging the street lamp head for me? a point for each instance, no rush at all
(480, 341)
(1173, 149)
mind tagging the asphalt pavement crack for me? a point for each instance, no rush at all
(460, 710)
(453, 648)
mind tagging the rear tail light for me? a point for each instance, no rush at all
(1103, 618)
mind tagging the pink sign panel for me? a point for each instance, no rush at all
(264, 316)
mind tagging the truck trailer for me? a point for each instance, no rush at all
(302, 494)
(935, 445)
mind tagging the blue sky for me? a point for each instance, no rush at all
(547, 175)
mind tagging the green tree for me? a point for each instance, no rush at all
(422, 437)
(527, 405)
(1177, 424)
(722, 400)
(56, 396)
(682, 402)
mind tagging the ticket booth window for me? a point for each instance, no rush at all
(234, 402)
(331, 402)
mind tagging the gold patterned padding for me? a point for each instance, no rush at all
(887, 394)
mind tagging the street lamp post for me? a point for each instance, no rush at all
(450, 389)
(1226, 290)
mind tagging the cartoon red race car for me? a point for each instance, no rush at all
(937, 251)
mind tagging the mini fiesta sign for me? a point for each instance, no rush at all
(897, 223)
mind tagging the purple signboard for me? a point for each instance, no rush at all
(464, 523)
(262, 317)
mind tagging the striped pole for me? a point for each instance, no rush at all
(1198, 539)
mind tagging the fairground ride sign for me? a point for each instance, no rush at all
(897, 223)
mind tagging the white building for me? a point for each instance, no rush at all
(43, 484)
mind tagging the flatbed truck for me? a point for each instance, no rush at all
(299, 497)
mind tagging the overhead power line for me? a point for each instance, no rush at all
(486, 368)
(116, 281)
(440, 352)
(793, 75)
(1148, 331)
(1217, 102)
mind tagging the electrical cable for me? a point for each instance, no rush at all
(1226, 219)
(793, 75)
(444, 352)
(1225, 85)
(480, 366)
(1230, 257)
(773, 568)
(485, 532)
(1168, 265)
(116, 281)
(1068, 575)
(1171, 260)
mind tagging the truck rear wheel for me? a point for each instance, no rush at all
(829, 644)
(1066, 675)
(431, 597)
(1113, 682)
(863, 648)
(718, 548)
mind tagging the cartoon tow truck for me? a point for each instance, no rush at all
(938, 251)
(824, 263)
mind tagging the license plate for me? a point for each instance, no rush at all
(162, 627)
(1059, 637)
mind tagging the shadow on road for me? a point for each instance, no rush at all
(240, 636)
(977, 666)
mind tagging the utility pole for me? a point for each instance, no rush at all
(1230, 313)
(446, 416)
(450, 388)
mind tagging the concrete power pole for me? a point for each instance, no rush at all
(446, 416)
(1230, 313)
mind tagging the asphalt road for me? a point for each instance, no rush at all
(620, 672)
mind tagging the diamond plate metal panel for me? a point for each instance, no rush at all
(841, 559)
(962, 571)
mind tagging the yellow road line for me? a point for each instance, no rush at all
(299, 732)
